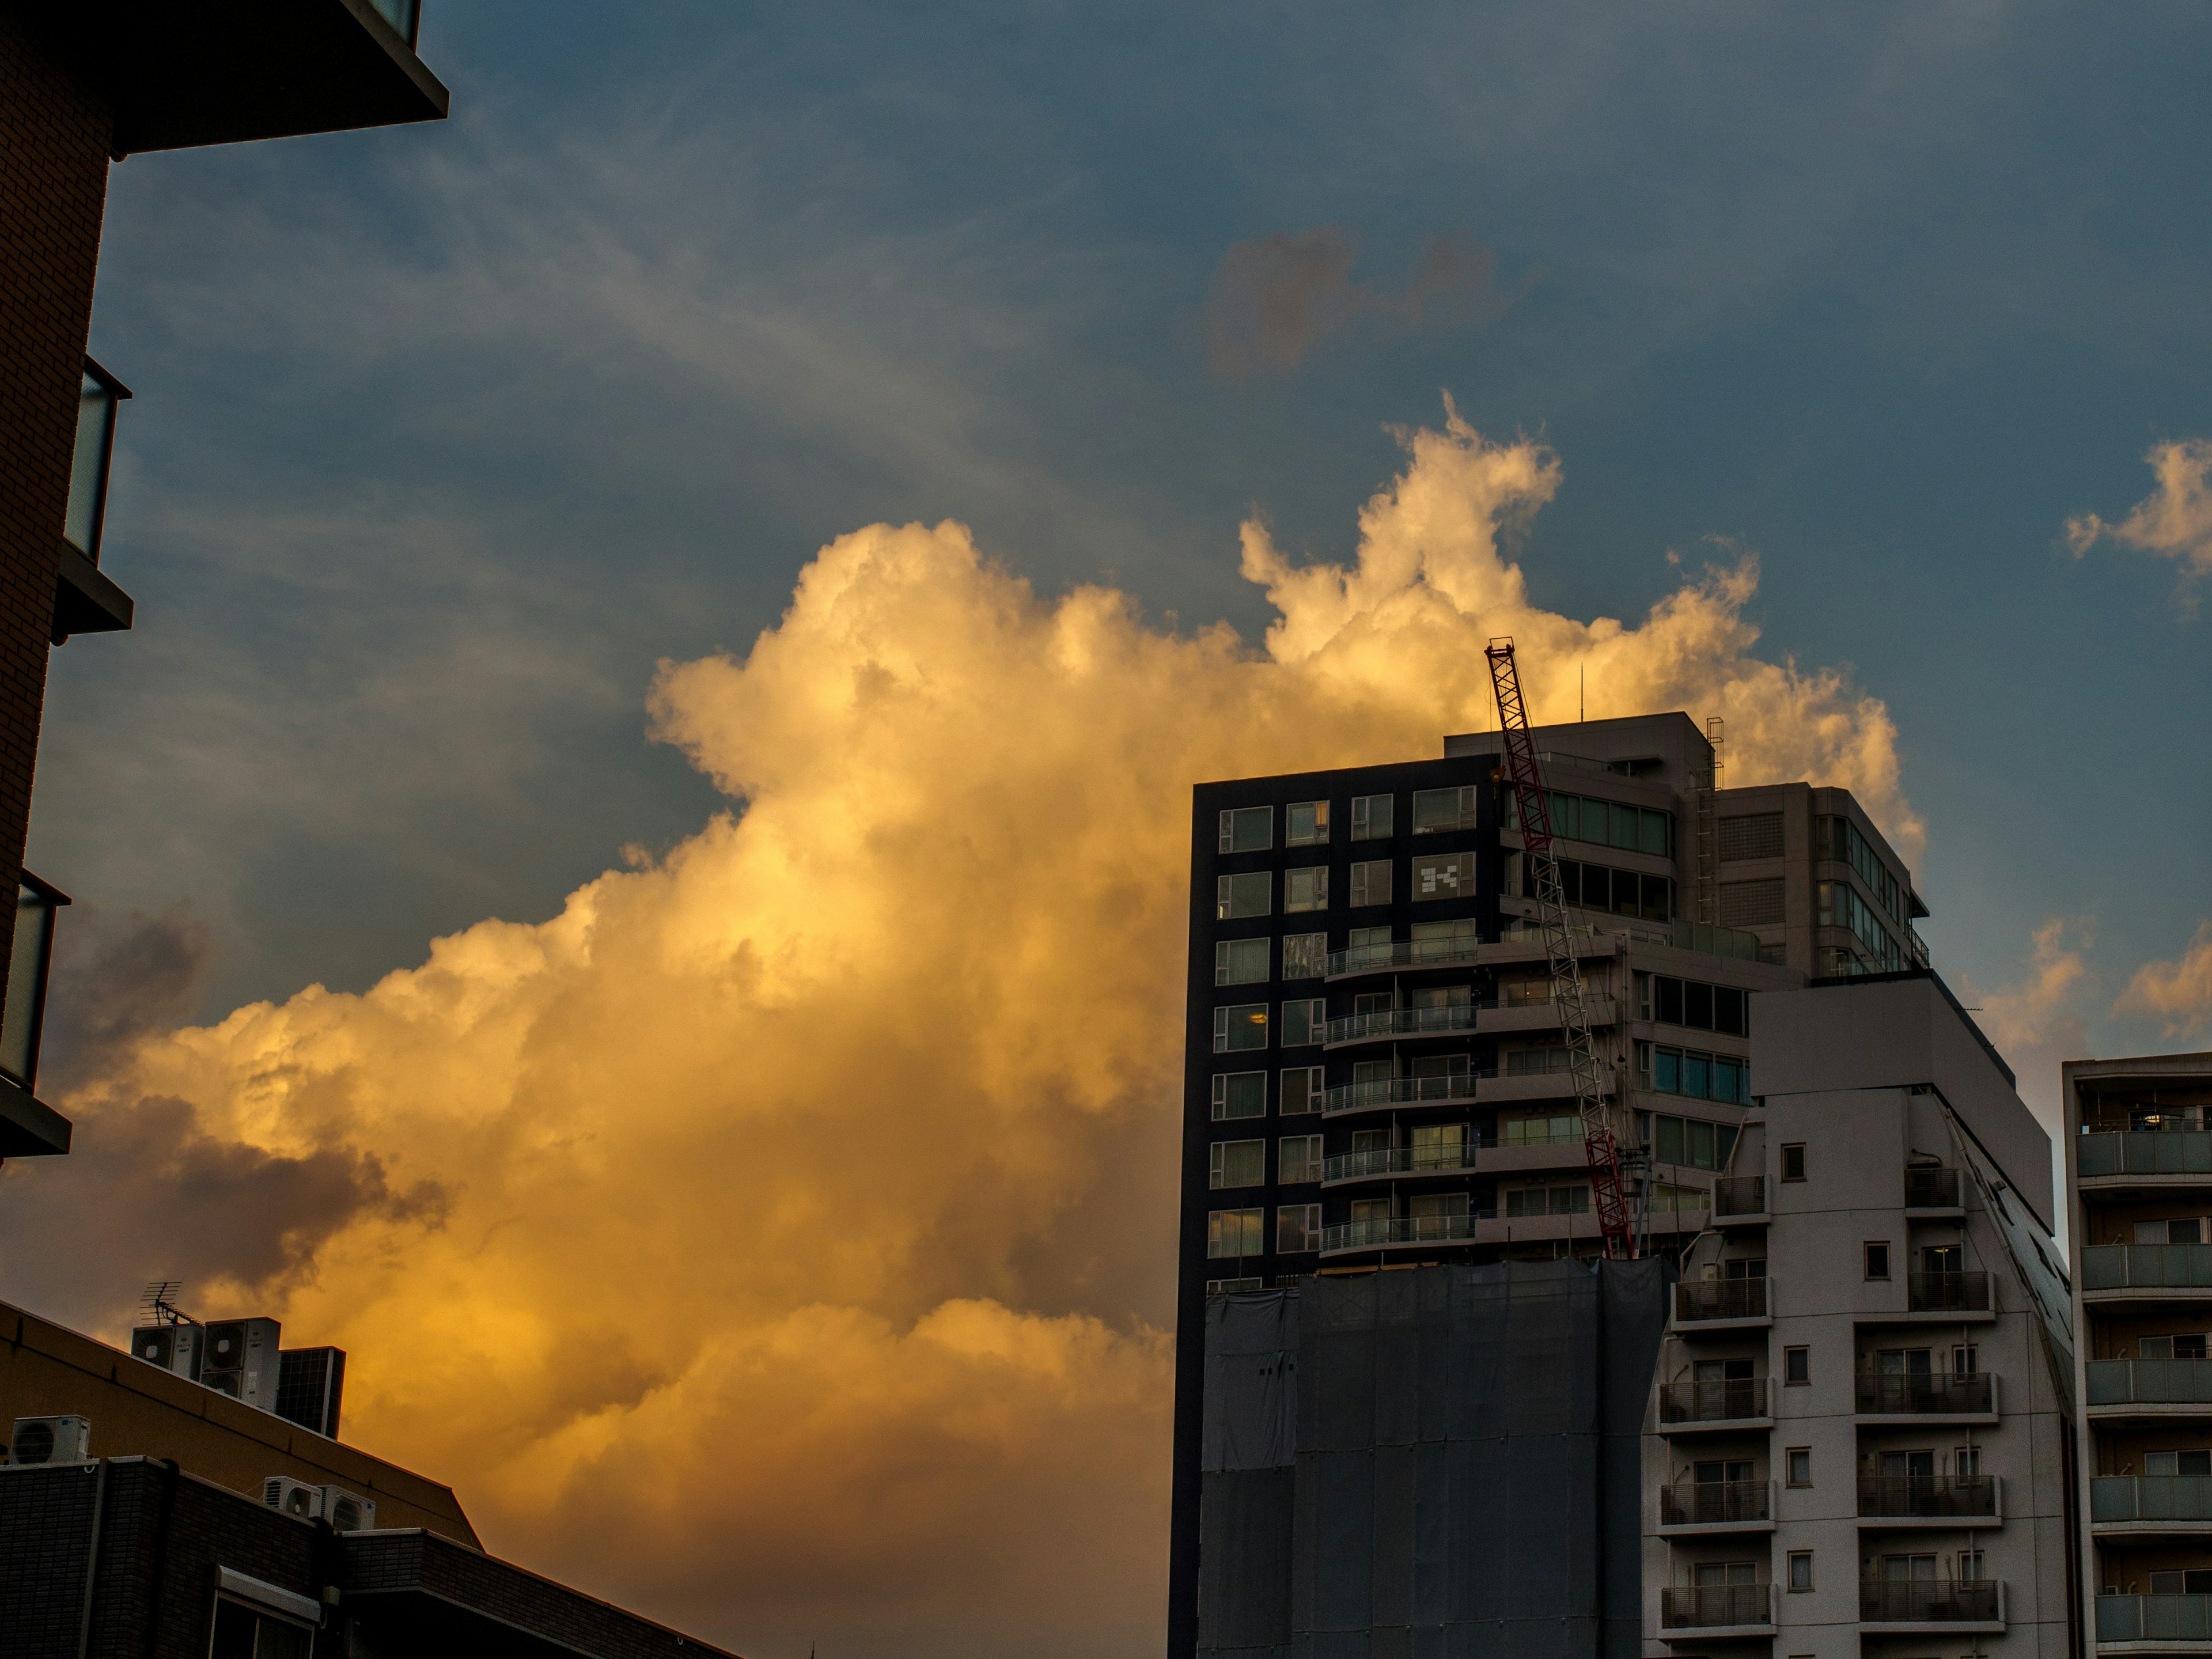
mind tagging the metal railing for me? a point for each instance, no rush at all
(2178, 1151)
(1913, 1496)
(1939, 1292)
(1402, 1022)
(1739, 1195)
(1699, 1299)
(1402, 1161)
(1403, 1230)
(1931, 1189)
(2150, 1382)
(1452, 952)
(1405, 1091)
(1931, 1393)
(1716, 1400)
(2153, 1267)
(1928, 1600)
(2150, 1497)
(2154, 1619)
(1705, 1607)
(1703, 1502)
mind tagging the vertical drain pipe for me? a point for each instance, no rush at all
(92, 1562)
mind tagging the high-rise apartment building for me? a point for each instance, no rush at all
(2139, 1187)
(81, 85)
(1374, 1074)
(1861, 1430)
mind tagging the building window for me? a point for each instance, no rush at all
(1240, 962)
(1251, 894)
(1370, 883)
(1602, 823)
(1965, 1360)
(1297, 1160)
(1248, 829)
(1801, 1569)
(1796, 1365)
(1306, 890)
(1302, 1090)
(1305, 956)
(1966, 1463)
(1702, 1007)
(1877, 1259)
(1370, 817)
(1436, 810)
(1231, 1286)
(1234, 1233)
(1305, 823)
(1753, 903)
(244, 1632)
(1297, 1229)
(1599, 887)
(1793, 1162)
(1305, 1022)
(1237, 1164)
(1699, 1075)
(1690, 1141)
(1840, 906)
(1758, 836)
(1800, 1464)
(1443, 876)
(23, 1024)
(1568, 1198)
(1240, 1094)
(1970, 1565)
(1244, 1026)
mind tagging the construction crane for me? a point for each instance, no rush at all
(1599, 1150)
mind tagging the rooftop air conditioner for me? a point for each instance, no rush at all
(292, 1497)
(172, 1347)
(347, 1511)
(238, 1357)
(45, 1440)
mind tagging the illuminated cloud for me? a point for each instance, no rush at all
(2036, 1024)
(2178, 993)
(2174, 520)
(1274, 298)
(780, 1236)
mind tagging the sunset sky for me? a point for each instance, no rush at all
(631, 871)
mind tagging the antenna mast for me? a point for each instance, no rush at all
(1599, 1150)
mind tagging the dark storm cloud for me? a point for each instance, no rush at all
(114, 979)
(1274, 298)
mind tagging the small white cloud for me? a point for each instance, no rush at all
(2174, 520)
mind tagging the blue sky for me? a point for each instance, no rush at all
(446, 436)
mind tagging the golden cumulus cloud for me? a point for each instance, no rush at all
(768, 1238)
(2179, 992)
(2174, 520)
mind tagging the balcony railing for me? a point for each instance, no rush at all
(2146, 1267)
(1944, 1293)
(1716, 1400)
(1932, 1394)
(1403, 1230)
(2179, 1151)
(1720, 1298)
(1706, 1503)
(1403, 1022)
(1405, 1091)
(1931, 1189)
(2150, 1497)
(1739, 1195)
(1405, 953)
(1928, 1600)
(1931, 1496)
(1702, 1606)
(2150, 1383)
(2154, 1619)
(1401, 1161)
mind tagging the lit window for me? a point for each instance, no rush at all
(1370, 883)
(1237, 1164)
(1234, 1233)
(1245, 1026)
(1304, 1022)
(1306, 890)
(1297, 1159)
(1248, 894)
(1248, 829)
(1240, 1094)
(1240, 962)
(1305, 823)
(1371, 817)
(1444, 876)
(1305, 956)
(1302, 1090)
(1297, 1229)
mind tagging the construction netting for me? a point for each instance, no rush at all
(1435, 1463)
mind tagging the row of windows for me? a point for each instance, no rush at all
(1842, 907)
(1252, 892)
(1603, 823)
(1600, 887)
(1305, 956)
(1306, 823)
(1839, 838)
(1689, 1142)
(1231, 1233)
(1244, 1094)
(1244, 1163)
(1667, 1070)
(1690, 1002)
(1245, 1025)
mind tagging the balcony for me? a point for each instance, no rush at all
(1931, 1189)
(1405, 955)
(2149, 1387)
(1384, 1024)
(1928, 1498)
(28, 1127)
(1401, 1230)
(1722, 1302)
(2145, 1623)
(1745, 1402)
(2112, 1271)
(1959, 1292)
(1717, 1506)
(1391, 1162)
(1940, 1395)
(1717, 1610)
(1456, 1088)
(2123, 1504)
(1740, 1199)
(2152, 1157)
(1944, 1604)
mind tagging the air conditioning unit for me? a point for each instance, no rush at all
(238, 1357)
(172, 1347)
(346, 1511)
(45, 1440)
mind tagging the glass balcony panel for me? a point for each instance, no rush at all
(1404, 1022)
(1927, 1600)
(2145, 1151)
(1720, 1298)
(1940, 1391)
(2154, 1619)
(1702, 1503)
(2150, 1382)
(1715, 1399)
(1404, 1229)
(1692, 1607)
(1934, 1292)
(1927, 1496)
(2150, 1497)
(2146, 1267)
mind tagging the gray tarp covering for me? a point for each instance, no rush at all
(1465, 1463)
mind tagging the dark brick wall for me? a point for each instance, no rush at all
(54, 132)
(45, 1535)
